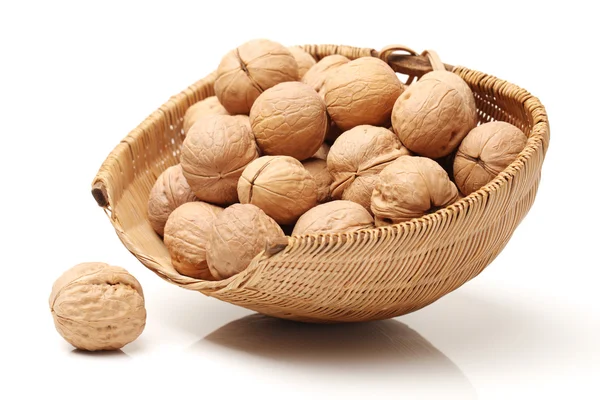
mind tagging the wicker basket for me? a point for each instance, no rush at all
(373, 274)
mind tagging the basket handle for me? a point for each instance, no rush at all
(412, 64)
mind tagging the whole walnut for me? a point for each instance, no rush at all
(362, 92)
(186, 234)
(170, 190)
(318, 169)
(214, 153)
(290, 120)
(304, 60)
(322, 153)
(485, 152)
(249, 70)
(208, 106)
(434, 114)
(239, 233)
(334, 217)
(411, 187)
(280, 186)
(315, 76)
(97, 306)
(358, 155)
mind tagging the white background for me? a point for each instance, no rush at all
(76, 78)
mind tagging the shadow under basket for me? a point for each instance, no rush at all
(369, 275)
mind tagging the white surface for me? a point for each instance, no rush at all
(76, 78)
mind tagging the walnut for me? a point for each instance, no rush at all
(239, 233)
(305, 60)
(249, 70)
(434, 114)
(322, 153)
(289, 119)
(315, 76)
(280, 186)
(170, 190)
(356, 156)
(208, 106)
(411, 187)
(485, 152)
(362, 92)
(186, 233)
(97, 306)
(214, 153)
(318, 169)
(334, 217)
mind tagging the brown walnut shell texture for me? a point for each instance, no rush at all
(334, 217)
(485, 152)
(356, 157)
(170, 190)
(362, 92)
(186, 233)
(434, 114)
(208, 106)
(290, 120)
(97, 306)
(315, 76)
(239, 233)
(411, 187)
(280, 186)
(249, 70)
(304, 60)
(214, 153)
(318, 169)
(322, 153)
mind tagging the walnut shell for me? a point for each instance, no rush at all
(315, 76)
(170, 190)
(318, 169)
(304, 60)
(290, 120)
(186, 234)
(280, 186)
(322, 153)
(249, 70)
(356, 155)
(485, 152)
(208, 106)
(214, 153)
(434, 114)
(239, 233)
(334, 217)
(411, 187)
(97, 306)
(362, 92)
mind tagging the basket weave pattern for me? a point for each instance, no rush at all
(373, 274)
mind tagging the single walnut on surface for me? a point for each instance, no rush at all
(356, 157)
(239, 233)
(214, 153)
(411, 187)
(485, 152)
(97, 306)
(289, 119)
(249, 70)
(362, 92)
(305, 60)
(280, 186)
(208, 106)
(315, 76)
(186, 234)
(334, 217)
(169, 192)
(434, 114)
(318, 169)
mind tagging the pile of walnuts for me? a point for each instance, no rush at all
(292, 145)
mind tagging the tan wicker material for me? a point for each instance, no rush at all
(373, 274)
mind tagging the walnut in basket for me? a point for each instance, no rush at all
(289, 119)
(334, 217)
(318, 169)
(186, 233)
(485, 152)
(305, 60)
(208, 106)
(239, 233)
(214, 153)
(315, 76)
(434, 114)
(280, 186)
(245, 72)
(411, 187)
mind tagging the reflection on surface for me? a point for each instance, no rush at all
(100, 354)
